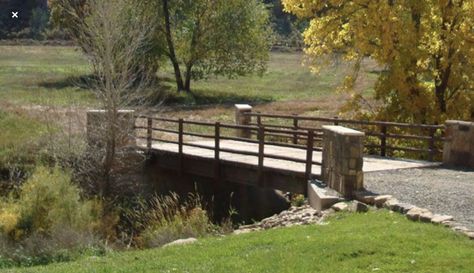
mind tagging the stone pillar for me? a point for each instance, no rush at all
(458, 150)
(242, 119)
(96, 128)
(343, 159)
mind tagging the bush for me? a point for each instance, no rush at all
(298, 200)
(169, 218)
(47, 221)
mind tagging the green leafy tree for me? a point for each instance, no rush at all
(210, 37)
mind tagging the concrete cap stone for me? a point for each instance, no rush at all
(343, 130)
(459, 122)
(100, 111)
(243, 107)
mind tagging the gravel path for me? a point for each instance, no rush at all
(443, 191)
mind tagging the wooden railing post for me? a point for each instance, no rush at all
(149, 132)
(432, 146)
(217, 136)
(383, 140)
(309, 154)
(295, 127)
(259, 119)
(336, 122)
(180, 143)
(261, 155)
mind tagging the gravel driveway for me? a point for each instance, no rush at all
(443, 191)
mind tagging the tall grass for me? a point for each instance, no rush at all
(164, 219)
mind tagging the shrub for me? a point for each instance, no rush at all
(48, 221)
(9, 217)
(169, 218)
(49, 199)
(298, 200)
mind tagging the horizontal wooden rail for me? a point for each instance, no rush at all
(428, 135)
(339, 120)
(197, 135)
(261, 142)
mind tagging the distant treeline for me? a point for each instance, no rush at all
(34, 23)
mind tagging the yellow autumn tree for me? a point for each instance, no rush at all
(425, 50)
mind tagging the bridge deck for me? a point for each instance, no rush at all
(371, 163)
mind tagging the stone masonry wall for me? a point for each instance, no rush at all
(242, 119)
(459, 144)
(96, 127)
(343, 159)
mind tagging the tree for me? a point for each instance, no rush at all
(425, 50)
(111, 37)
(70, 15)
(204, 37)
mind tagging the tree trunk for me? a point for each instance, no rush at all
(441, 87)
(172, 53)
(187, 85)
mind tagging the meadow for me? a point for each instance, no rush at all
(48, 75)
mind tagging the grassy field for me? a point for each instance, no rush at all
(45, 75)
(372, 242)
(41, 75)
(17, 135)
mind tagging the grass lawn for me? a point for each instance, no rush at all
(45, 75)
(39, 75)
(17, 134)
(285, 80)
(372, 242)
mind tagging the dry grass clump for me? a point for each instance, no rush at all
(167, 218)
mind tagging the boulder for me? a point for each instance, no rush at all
(438, 219)
(461, 229)
(449, 224)
(470, 234)
(380, 200)
(426, 217)
(365, 197)
(404, 207)
(414, 213)
(341, 206)
(181, 242)
(357, 206)
(391, 204)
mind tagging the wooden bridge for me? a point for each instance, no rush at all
(276, 156)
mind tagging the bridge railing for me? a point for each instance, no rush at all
(383, 138)
(263, 133)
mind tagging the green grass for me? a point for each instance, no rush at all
(376, 241)
(45, 75)
(39, 75)
(18, 133)
(286, 79)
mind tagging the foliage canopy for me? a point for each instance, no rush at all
(199, 37)
(425, 50)
(210, 37)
